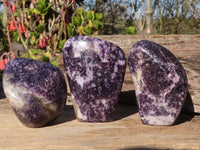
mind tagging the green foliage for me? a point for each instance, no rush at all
(15, 35)
(98, 16)
(131, 30)
(90, 15)
(40, 28)
(34, 38)
(88, 30)
(97, 24)
(85, 23)
(4, 17)
(42, 56)
(61, 44)
(70, 30)
(43, 7)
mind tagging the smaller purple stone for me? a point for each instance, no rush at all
(36, 91)
(95, 70)
(160, 83)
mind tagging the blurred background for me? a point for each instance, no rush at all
(41, 27)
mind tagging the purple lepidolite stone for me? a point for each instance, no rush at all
(95, 70)
(36, 90)
(160, 83)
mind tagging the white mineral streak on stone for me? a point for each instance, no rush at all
(77, 110)
(138, 80)
(104, 59)
(140, 48)
(104, 102)
(81, 80)
(80, 115)
(159, 120)
(78, 47)
(121, 62)
(46, 103)
(13, 92)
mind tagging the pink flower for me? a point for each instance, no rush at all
(12, 26)
(2, 66)
(45, 42)
(23, 28)
(40, 43)
(14, 8)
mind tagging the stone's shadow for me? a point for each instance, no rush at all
(128, 97)
(66, 116)
(124, 111)
(187, 112)
(2, 94)
(127, 105)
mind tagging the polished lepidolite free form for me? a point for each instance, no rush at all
(160, 83)
(36, 90)
(95, 70)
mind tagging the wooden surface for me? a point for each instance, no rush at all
(126, 133)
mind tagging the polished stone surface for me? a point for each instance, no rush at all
(160, 83)
(36, 90)
(95, 70)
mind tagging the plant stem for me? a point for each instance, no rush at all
(63, 17)
(43, 22)
(27, 39)
(20, 35)
(75, 7)
(8, 33)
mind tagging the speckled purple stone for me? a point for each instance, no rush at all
(36, 90)
(160, 83)
(95, 70)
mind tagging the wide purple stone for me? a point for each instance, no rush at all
(36, 90)
(95, 70)
(160, 83)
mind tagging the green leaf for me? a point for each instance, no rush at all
(40, 28)
(88, 30)
(82, 19)
(98, 16)
(4, 17)
(24, 55)
(44, 58)
(34, 10)
(70, 30)
(16, 36)
(54, 62)
(76, 21)
(80, 11)
(48, 54)
(97, 24)
(43, 6)
(16, 14)
(90, 15)
(131, 30)
(32, 56)
(80, 30)
(61, 44)
(33, 51)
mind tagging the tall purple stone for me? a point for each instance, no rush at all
(95, 70)
(160, 83)
(36, 90)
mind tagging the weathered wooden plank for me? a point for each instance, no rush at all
(127, 132)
